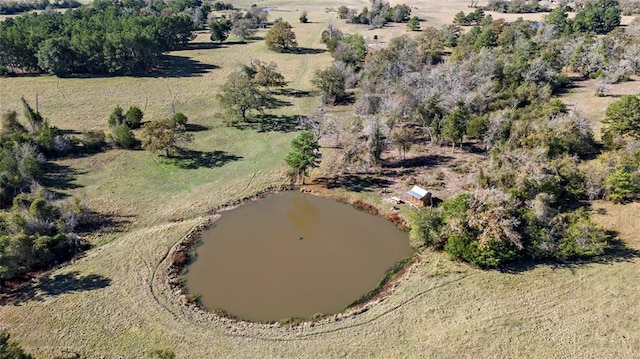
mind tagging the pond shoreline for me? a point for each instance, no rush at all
(181, 254)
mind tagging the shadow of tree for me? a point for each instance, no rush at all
(617, 252)
(58, 284)
(279, 123)
(306, 51)
(59, 177)
(273, 103)
(96, 222)
(419, 161)
(356, 183)
(213, 45)
(193, 159)
(292, 92)
(192, 127)
(171, 66)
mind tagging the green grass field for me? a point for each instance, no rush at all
(116, 303)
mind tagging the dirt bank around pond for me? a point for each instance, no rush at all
(182, 253)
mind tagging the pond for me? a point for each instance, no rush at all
(292, 255)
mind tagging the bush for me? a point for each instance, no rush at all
(582, 237)
(134, 117)
(117, 117)
(303, 17)
(179, 118)
(123, 136)
(426, 228)
(621, 186)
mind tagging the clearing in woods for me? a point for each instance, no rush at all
(114, 302)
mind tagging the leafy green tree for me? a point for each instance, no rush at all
(455, 124)
(426, 228)
(487, 38)
(165, 135)
(622, 117)
(239, 95)
(220, 29)
(330, 82)
(265, 74)
(281, 38)
(559, 18)
(600, 16)
(304, 154)
(55, 56)
(413, 24)
(351, 49)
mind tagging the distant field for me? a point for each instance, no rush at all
(440, 309)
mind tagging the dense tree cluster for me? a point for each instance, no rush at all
(599, 16)
(516, 6)
(101, 39)
(497, 87)
(240, 24)
(36, 231)
(473, 18)
(380, 14)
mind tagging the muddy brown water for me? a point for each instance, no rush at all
(292, 255)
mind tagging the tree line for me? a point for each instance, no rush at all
(15, 7)
(37, 229)
(379, 14)
(103, 39)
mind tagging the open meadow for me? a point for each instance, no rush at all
(115, 301)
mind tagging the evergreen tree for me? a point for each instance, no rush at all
(304, 154)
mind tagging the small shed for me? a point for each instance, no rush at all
(419, 196)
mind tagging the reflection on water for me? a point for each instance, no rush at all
(292, 255)
(303, 215)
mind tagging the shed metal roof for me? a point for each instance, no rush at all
(418, 192)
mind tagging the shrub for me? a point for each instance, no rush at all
(134, 117)
(179, 118)
(621, 185)
(358, 204)
(582, 238)
(426, 228)
(179, 258)
(123, 136)
(117, 117)
(303, 17)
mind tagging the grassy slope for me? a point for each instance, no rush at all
(440, 309)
